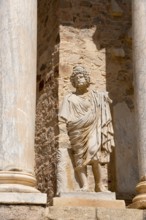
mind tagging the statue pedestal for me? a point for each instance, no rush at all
(88, 199)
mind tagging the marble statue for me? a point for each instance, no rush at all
(89, 126)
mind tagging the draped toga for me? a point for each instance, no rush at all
(89, 125)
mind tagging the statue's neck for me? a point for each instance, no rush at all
(81, 91)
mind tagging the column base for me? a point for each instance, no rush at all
(139, 201)
(17, 181)
(138, 205)
(17, 188)
(23, 198)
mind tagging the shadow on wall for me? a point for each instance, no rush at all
(47, 97)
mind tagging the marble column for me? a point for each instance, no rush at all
(18, 41)
(139, 63)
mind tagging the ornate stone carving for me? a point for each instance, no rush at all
(89, 126)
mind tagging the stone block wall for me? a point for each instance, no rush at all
(17, 212)
(97, 34)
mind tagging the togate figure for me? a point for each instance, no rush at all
(89, 126)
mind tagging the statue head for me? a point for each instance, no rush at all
(79, 70)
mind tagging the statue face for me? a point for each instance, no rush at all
(80, 80)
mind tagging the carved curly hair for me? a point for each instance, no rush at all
(79, 70)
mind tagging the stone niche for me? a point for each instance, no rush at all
(94, 37)
(68, 180)
(94, 34)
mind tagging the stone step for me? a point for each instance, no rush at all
(31, 212)
(90, 213)
(84, 202)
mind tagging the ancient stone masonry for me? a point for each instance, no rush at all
(82, 172)
(83, 176)
(90, 26)
(68, 213)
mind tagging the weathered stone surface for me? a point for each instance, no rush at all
(16, 212)
(70, 213)
(119, 214)
(93, 213)
(11, 212)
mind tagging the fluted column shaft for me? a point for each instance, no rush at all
(18, 41)
(139, 64)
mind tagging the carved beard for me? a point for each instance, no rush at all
(81, 84)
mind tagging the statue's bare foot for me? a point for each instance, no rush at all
(84, 189)
(101, 188)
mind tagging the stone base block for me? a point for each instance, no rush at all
(23, 198)
(32, 212)
(22, 212)
(88, 213)
(89, 195)
(88, 202)
(88, 199)
(77, 213)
